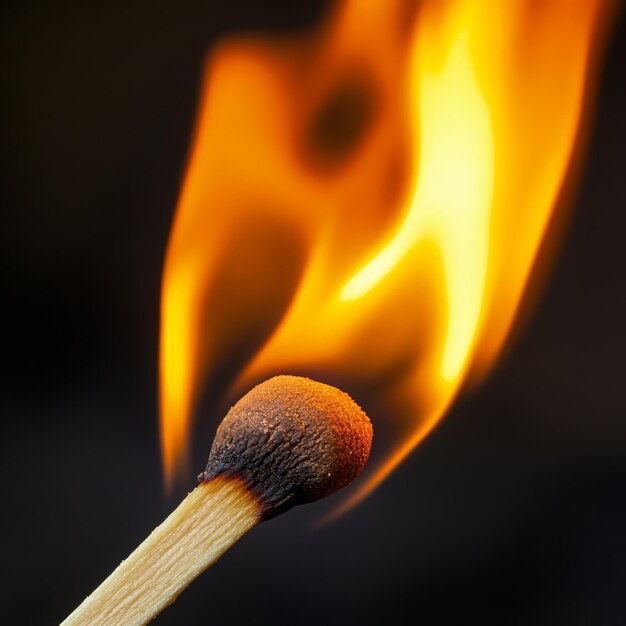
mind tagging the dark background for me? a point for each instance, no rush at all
(512, 512)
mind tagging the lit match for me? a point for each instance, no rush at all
(289, 441)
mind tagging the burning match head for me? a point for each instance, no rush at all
(291, 440)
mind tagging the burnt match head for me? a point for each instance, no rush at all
(291, 440)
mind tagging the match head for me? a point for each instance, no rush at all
(291, 440)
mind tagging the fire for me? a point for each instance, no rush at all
(366, 203)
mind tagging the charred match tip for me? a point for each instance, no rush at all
(291, 440)
(288, 441)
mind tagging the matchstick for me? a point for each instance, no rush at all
(205, 524)
(289, 441)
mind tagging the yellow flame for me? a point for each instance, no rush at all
(451, 199)
(368, 210)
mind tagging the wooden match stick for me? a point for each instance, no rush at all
(289, 441)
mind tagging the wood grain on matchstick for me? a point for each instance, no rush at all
(206, 524)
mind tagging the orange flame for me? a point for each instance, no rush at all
(365, 203)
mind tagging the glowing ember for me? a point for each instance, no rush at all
(366, 203)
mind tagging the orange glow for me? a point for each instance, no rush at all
(365, 204)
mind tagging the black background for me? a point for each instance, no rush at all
(512, 512)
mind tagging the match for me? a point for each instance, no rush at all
(288, 441)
